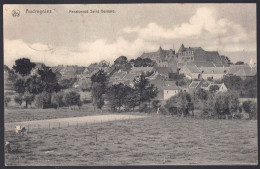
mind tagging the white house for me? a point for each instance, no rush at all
(170, 89)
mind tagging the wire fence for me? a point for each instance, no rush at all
(67, 122)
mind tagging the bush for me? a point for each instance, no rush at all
(57, 98)
(155, 105)
(85, 101)
(28, 98)
(143, 107)
(163, 111)
(71, 98)
(18, 99)
(250, 108)
(7, 100)
(42, 99)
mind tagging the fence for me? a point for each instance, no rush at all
(67, 122)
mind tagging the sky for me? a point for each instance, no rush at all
(61, 37)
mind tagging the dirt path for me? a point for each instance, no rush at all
(71, 121)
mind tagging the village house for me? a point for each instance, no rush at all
(213, 72)
(170, 89)
(242, 71)
(190, 71)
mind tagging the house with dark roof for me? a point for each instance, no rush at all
(170, 89)
(190, 71)
(164, 71)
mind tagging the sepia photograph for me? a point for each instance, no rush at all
(130, 84)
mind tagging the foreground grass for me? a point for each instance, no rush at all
(18, 115)
(153, 140)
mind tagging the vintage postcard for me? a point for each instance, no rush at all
(130, 84)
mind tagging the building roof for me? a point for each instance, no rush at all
(194, 84)
(192, 68)
(163, 70)
(170, 85)
(142, 69)
(242, 70)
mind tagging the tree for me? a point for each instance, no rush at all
(150, 93)
(239, 63)
(181, 102)
(146, 62)
(233, 104)
(67, 83)
(71, 98)
(18, 99)
(122, 60)
(19, 86)
(42, 99)
(201, 94)
(233, 82)
(28, 98)
(98, 89)
(49, 81)
(213, 88)
(23, 66)
(97, 93)
(222, 104)
(250, 108)
(7, 100)
(141, 85)
(156, 105)
(57, 98)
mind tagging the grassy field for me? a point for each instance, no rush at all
(17, 115)
(155, 140)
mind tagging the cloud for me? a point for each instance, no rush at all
(85, 54)
(203, 25)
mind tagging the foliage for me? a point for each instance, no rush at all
(67, 83)
(182, 102)
(23, 66)
(99, 81)
(19, 86)
(233, 82)
(143, 107)
(57, 98)
(250, 108)
(28, 98)
(34, 85)
(120, 60)
(49, 81)
(213, 88)
(7, 100)
(201, 94)
(146, 62)
(71, 98)
(239, 63)
(18, 99)
(155, 105)
(42, 99)
(116, 95)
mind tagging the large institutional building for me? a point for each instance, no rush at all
(186, 55)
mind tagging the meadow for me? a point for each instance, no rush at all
(154, 140)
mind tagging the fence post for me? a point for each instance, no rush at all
(28, 127)
(68, 124)
(38, 126)
(77, 125)
(59, 125)
(49, 125)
